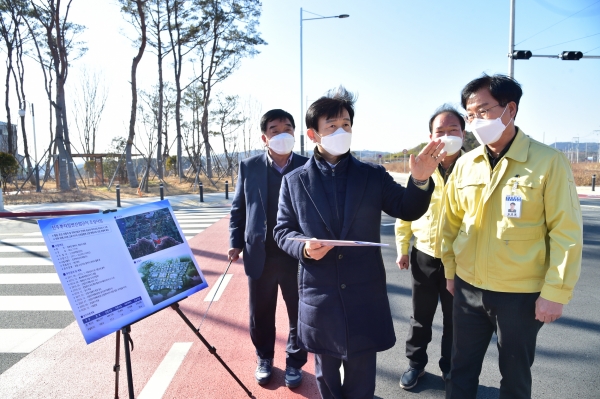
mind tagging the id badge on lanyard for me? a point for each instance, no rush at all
(512, 203)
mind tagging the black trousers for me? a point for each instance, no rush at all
(477, 315)
(428, 287)
(359, 376)
(278, 272)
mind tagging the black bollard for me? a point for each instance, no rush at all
(226, 189)
(118, 189)
(201, 187)
(162, 192)
(593, 182)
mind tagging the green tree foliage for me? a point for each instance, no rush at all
(8, 168)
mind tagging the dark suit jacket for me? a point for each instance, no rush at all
(248, 222)
(344, 310)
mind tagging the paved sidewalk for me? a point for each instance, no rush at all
(211, 200)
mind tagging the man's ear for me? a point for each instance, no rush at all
(311, 134)
(263, 137)
(512, 108)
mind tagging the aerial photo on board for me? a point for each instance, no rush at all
(149, 232)
(168, 277)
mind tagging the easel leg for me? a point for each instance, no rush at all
(126, 330)
(211, 349)
(117, 367)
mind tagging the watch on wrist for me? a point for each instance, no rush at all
(419, 182)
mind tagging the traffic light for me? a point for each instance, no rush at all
(521, 54)
(570, 55)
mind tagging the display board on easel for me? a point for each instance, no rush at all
(120, 266)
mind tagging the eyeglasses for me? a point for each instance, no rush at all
(481, 113)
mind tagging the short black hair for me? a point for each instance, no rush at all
(330, 106)
(447, 109)
(503, 88)
(275, 114)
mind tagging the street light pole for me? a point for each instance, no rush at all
(511, 40)
(302, 76)
(22, 115)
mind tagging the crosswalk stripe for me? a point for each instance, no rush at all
(192, 225)
(29, 278)
(192, 231)
(213, 294)
(162, 377)
(24, 340)
(24, 248)
(30, 261)
(34, 303)
(14, 240)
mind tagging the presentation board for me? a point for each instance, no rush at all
(119, 267)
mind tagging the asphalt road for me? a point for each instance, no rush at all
(567, 363)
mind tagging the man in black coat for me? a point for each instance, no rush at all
(344, 314)
(253, 216)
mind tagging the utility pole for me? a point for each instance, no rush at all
(576, 141)
(511, 40)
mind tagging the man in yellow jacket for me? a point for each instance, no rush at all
(427, 271)
(511, 268)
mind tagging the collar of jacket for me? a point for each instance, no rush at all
(324, 166)
(518, 149)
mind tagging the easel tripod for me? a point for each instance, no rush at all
(127, 339)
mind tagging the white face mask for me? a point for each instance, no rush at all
(337, 143)
(452, 144)
(282, 143)
(487, 131)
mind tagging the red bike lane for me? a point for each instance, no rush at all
(65, 367)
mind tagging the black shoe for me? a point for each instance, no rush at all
(410, 377)
(263, 371)
(293, 377)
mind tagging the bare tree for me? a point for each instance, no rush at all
(231, 26)
(8, 31)
(136, 10)
(157, 25)
(88, 105)
(59, 37)
(250, 129)
(227, 119)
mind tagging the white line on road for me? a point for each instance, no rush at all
(24, 248)
(186, 225)
(34, 302)
(162, 377)
(29, 261)
(192, 231)
(13, 240)
(388, 224)
(24, 340)
(590, 206)
(29, 278)
(213, 293)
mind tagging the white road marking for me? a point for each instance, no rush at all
(590, 206)
(199, 219)
(24, 248)
(38, 234)
(163, 375)
(213, 293)
(192, 231)
(388, 224)
(29, 278)
(29, 261)
(34, 302)
(24, 340)
(13, 240)
(187, 225)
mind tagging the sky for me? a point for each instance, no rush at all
(402, 58)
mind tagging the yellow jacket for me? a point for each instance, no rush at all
(427, 229)
(538, 252)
